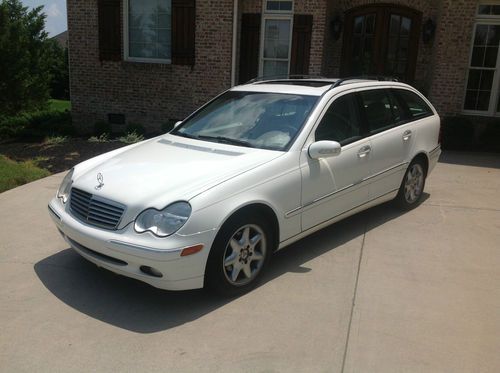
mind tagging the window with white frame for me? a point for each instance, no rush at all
(276, 38)
(483, 80)
(279, 5)
(149, 30)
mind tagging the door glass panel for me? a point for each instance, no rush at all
(363, 45)
(396, 63)
(276, 46)
(340, 123)
(381, 111)
(274, 68)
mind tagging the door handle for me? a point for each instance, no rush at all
(406, 135)
(363, 152)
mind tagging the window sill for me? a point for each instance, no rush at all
(148, 60)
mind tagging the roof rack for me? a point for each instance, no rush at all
(379, 78)
(284, 77)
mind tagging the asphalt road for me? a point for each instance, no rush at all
(382, 291)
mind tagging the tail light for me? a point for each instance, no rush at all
(440, 137)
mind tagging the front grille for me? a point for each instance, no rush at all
(95, 210)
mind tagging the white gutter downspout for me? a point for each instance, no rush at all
(235, 43)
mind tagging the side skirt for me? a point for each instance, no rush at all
(374, 202)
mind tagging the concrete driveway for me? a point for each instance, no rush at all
(383, 291)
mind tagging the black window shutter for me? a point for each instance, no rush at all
(301, 44)
(183, 31)
(249, 47)
(110, 30)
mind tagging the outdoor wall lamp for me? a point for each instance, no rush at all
(428, 31)
(336, 27)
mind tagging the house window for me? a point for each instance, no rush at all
(483, 78)
(276, 38)
(279, 6)
(149, 30)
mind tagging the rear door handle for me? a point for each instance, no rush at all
(406, 135)
(364, 151)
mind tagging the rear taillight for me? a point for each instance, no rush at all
(440, 137)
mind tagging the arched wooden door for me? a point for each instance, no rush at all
(381, 39)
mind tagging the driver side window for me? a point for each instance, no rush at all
(340, 123)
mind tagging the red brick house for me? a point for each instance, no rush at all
(151, 61)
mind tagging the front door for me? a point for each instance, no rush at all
(381, 40)
(332, 186)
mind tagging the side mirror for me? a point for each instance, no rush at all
(177, 123)
(324, 149)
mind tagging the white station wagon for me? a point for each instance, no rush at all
(257, 168)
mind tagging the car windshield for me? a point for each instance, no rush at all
(252, 119)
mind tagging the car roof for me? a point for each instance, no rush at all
(312, 86)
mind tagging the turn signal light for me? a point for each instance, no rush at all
(191, 250)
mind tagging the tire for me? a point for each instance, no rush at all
(412, 186)
(235, 256)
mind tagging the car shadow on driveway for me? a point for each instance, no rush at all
(138, 307)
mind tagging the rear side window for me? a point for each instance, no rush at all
(417, 108)
(381, 109)
(340, 122)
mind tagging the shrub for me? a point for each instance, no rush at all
(101, 128)
(131, 138)
(490, 139)
(457, 133)
(13, 174)
(55, 140)
(102, 138)
(135, 127)
(36, 126)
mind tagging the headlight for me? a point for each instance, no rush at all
(165, 222)
(65, 187)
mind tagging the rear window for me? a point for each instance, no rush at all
(417, 108)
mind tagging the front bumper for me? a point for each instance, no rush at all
(128, 253)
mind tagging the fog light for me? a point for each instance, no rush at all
(151, 271)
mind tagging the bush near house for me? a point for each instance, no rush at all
(37, 125)
(470, 134)
(13, 174)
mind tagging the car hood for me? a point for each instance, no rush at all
(167, 169)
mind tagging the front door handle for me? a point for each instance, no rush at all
(364, 151)
(406, 135)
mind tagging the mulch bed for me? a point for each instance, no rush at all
(57, 158)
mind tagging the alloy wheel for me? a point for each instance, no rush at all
(414, 183)
(244, 255)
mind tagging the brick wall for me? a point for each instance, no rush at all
(455, 25)
(147, 93)
(152, 94)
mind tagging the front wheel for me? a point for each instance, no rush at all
(412, 186)
(239, 255)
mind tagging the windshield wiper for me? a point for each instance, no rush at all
(226, 140)
(183, 134)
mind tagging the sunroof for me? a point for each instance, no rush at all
(306, 83)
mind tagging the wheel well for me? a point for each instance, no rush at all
(269, 215)
(425, 161)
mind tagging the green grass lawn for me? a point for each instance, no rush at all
(13, 174)
(59, 105)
